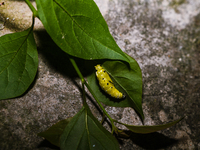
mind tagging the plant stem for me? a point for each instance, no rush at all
(105, 112)
(77, 69)
(33, 22)
(82, 78)
(35, 13)
(84, 97)
(89, 88)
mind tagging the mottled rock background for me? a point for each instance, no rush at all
(162, 35)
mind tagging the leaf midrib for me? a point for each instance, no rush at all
(73, 18)
(13, 57)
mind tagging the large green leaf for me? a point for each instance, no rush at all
(149, 129)
(127, 79)
(85, 132)
(79, 29)
(18, 63)
(54, 132)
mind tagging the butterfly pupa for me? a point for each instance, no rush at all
(106, 83)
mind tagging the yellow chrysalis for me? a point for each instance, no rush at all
(106, 83)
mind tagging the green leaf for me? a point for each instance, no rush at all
(18, 63)
(150, 129)
(54, 132)
(79, 29)
(85, 132)
(127, 79)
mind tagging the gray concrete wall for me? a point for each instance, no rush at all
(162, 35)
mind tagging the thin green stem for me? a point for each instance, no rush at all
(103, 117)
(91, 91)
(35, 13)
(84, 97)
(104, 111)
(33, 22)
(82, 78)
(77, 69)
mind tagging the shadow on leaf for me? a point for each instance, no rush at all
(47, 144)
(58, 59)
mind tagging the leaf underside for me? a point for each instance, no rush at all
(127, 79)
(54, 132)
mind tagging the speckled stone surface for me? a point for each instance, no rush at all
(162, 35)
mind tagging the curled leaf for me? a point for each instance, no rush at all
(149, 129)
(127, 79)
